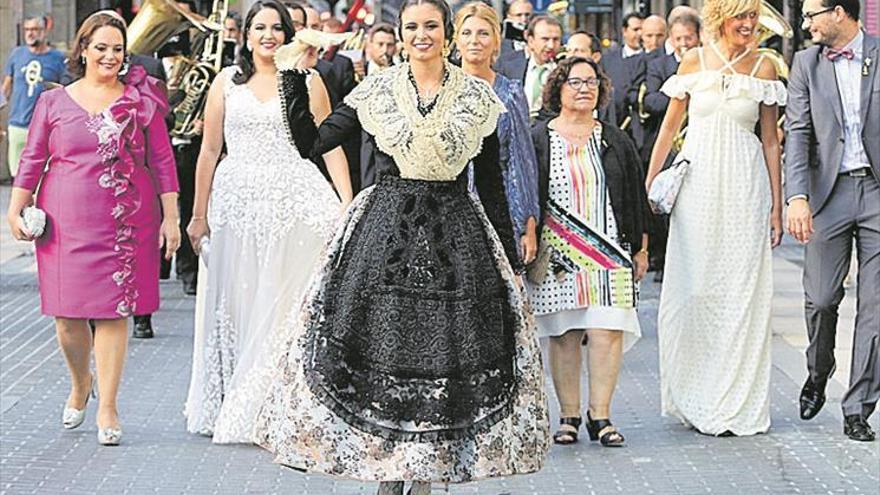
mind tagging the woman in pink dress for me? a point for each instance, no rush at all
(100, 153)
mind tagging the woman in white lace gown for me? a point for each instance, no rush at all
(714, 322)
(270, 214)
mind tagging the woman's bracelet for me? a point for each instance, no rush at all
(197, 217)
(643, 250)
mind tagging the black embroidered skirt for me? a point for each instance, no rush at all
(414, 346)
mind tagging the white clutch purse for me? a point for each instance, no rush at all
(34, 220)
(664, 189)
(205, 248)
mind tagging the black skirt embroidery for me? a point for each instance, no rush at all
(416, 342)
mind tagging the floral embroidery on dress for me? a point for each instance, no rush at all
(257, 189)
(117, 179)
(220, 359)
(298, 427)
(439, 145)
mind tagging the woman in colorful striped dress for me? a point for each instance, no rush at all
(593, 246)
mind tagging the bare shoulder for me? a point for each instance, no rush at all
(690, 62)
(767, 70)
(219, 82)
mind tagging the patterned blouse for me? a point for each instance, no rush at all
(588, 266)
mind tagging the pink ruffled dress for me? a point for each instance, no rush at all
(99, 179)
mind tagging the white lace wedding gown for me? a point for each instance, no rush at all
(714, 321)
(270, 214)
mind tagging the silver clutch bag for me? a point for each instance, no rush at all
(34, 220)
(664, 189)
(204, 248)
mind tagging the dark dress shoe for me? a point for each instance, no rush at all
(189, 287)
(856, 428)
(812, 399)
(143, 327)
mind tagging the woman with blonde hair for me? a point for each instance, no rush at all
(478, 39)
(714, 321)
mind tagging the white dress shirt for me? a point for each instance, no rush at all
(628, 52)
(849, 82)
(533, 85)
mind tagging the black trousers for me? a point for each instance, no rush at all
(186, 156)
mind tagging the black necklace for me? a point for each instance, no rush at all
(425, 107)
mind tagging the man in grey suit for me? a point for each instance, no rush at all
(832, 166)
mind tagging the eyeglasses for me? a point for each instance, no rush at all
(808, 16)
(577, 83)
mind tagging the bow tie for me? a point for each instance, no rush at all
(833, 54)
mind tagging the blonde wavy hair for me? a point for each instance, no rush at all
(715, 12)
(481, 11)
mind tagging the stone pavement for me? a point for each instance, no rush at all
(158, 456)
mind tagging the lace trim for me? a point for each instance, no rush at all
(370, 378)
(219, 366)
(731, 85)
(439, 145)
(117, 178)
(305, 435)
(285, 88)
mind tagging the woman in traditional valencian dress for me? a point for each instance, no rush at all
(99, 152)
(269, 214)
(414, 357)
(714, 321)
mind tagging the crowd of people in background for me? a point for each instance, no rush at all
(376, 237)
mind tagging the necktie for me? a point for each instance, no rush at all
(538, 84)
(833, 55)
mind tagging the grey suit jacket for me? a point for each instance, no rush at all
(814, 122)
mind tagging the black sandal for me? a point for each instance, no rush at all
(567, 437)
(611, 438)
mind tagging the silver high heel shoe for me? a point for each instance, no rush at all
(109, 436)
(72, 417)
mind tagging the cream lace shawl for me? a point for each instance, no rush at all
(435, 147)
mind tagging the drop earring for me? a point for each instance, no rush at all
(126, 64)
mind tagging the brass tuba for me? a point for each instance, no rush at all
(155, 22)
(771, 23)
(197, 80)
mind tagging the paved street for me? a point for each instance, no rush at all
(158, 456)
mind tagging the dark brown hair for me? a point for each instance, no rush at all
(552, 96)
(440, 5)
(381, 27)
(84, 36)
(546, 19)
(245, 54)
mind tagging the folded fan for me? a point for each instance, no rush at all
(289, 55)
